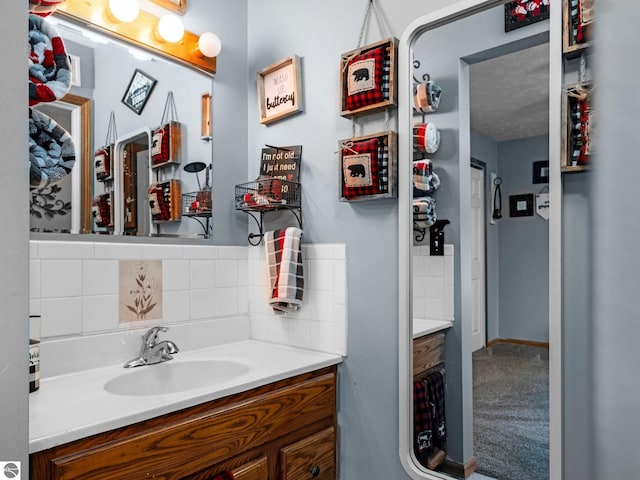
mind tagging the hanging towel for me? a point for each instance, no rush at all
(435, 394)
(227, 475)
(284, 262)
(424, 212)
(51, 150)
(422, 422)
(49, 66)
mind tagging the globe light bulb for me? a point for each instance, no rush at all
(170, 28)
(124, 10)
(209, 44)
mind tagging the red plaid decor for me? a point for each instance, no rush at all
(367, 148)
(160, 145)
(159, 201)
(101, 210)
(359, 70)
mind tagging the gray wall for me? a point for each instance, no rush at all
(14, 225)
(577, 354)
(485, 149)
(319, 33)
(524, 246)
(616, 289)
(228, 20)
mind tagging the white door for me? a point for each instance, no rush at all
(478, 309)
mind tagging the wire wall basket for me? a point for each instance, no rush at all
(267, 194)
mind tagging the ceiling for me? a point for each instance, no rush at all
(510, 95)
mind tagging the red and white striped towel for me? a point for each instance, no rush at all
(284, 264)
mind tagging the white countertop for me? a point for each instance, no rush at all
(74, 406)
(422, 326)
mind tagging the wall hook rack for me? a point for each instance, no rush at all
(251, 238)
(425, 77)
(421, 233)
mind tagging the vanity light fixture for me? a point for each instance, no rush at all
(97, 14)
(209, 45)
(124, 10)
(170, 28)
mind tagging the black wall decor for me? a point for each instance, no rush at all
(519, 13)
(521, 205)
(540, 172)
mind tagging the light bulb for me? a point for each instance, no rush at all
(170, 28)
(124, 10)
(209, 44)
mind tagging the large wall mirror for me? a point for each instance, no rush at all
(107, 71)
(466, 50)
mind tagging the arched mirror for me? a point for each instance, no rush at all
(442, 293)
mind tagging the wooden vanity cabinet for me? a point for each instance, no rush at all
(285, 430)
(428, 354)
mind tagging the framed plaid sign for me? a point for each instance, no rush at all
(368, 78)
(367, 167)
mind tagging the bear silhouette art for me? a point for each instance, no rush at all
(357, 170)
(361, 74)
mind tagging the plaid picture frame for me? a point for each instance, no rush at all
(364, 79)
(368, 78)
(367, 165)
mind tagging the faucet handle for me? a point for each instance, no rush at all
(150, 337)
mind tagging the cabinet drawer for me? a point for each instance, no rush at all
(256, 470)
(311, 458)
(428, 352)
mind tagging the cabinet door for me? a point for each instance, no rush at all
(256, 470)
(311, 458)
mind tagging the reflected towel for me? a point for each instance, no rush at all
(422, 422)
(424, 212)
(284, 262)
(435, 394)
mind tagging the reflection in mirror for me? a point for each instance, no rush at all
(131, 183)
(103, 70)
(65, 206)
(436, 302)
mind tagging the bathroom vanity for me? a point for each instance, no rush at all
(278, 423)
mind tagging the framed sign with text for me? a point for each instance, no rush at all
(280, 90)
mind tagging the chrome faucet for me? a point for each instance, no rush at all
(153, 351)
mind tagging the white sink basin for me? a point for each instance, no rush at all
(174, 376)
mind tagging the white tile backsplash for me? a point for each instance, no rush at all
(60, 278)
(60, 317)
(323, 309)
(203, 274)
(227, 273)
(75, 285)
(99, 313)
(176, 275)
(433, 284)
(176, 306)
(99, 277)
(203, 303)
